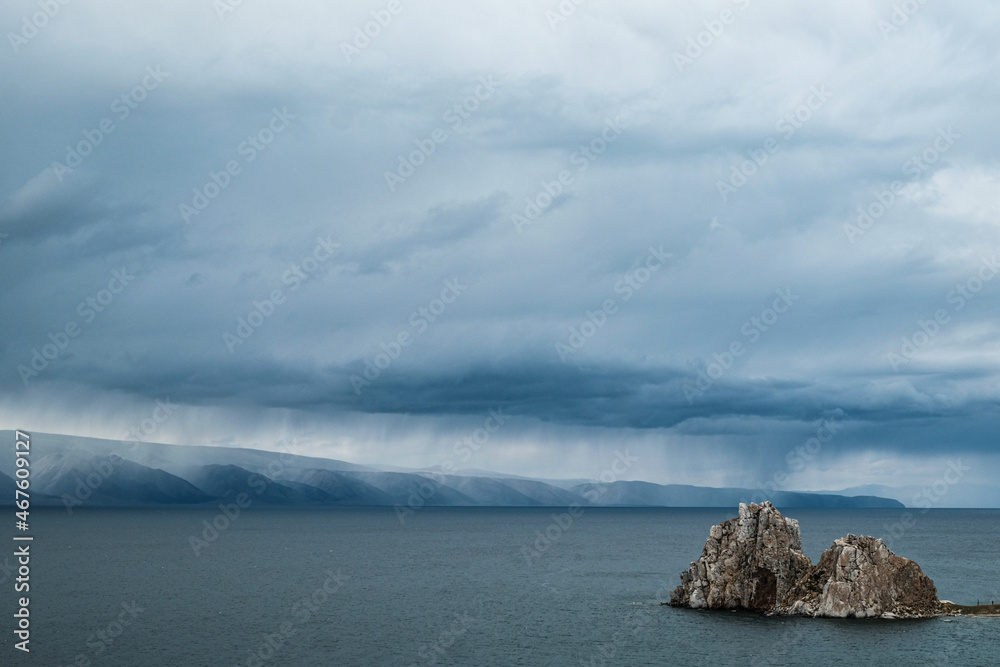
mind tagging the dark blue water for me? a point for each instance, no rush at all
(455, 587)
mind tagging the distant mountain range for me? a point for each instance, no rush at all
(965, 494)
(78, 472)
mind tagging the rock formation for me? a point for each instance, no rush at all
(755, 562)
(751, 562)
(858, 576)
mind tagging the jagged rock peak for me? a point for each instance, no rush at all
(749, 562)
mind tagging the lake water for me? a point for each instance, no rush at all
(456, 586)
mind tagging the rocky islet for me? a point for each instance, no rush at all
(755, 562)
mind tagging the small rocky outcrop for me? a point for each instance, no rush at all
(755, 562)
(859, 576)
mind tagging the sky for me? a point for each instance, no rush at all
(744, 243)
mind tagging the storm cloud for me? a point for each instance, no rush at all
(699, 231)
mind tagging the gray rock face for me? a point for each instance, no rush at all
(859, 576)
(750, 562)
(755, 562)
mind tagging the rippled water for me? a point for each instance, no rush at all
(455, 586)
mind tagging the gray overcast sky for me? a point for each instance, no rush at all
(697, 231)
